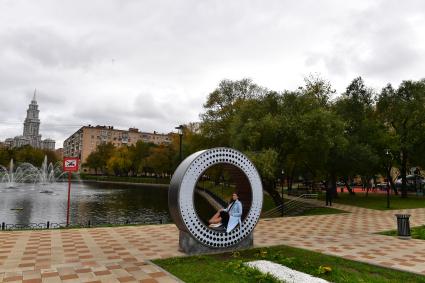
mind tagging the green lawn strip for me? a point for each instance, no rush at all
(322, 211)
(228, 267)
(416, 232)
(379, 201)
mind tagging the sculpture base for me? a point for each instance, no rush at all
(191, 246)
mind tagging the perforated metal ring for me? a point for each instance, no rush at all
(182, 186)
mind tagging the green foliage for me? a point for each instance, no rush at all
(266, 162)
(99, 158)
(26, 154)
(402, 111)
(308, 134)
(131, 160)
(120, 161)
(221, 107)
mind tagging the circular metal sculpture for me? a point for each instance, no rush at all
(181, 195)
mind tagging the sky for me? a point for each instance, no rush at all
(151, 64)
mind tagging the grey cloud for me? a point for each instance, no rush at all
(376, 42)
(49, 48)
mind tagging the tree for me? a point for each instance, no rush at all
(138, 153)
(160, 159)
(30, 155)
(98, 159)
(221, 106)
(266, 162)
(120, 163)
(403, 114)
(362, 130)
(5, 156)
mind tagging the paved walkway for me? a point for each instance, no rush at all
(120, 254)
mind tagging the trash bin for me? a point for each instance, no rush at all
(403, 226)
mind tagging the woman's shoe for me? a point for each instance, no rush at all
(216, 225)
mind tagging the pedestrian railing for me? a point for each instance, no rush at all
(297, 203)
(87, 224)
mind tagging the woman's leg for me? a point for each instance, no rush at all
(215, 219)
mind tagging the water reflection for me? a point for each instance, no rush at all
(89, 201)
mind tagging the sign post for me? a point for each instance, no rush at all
(70, 164)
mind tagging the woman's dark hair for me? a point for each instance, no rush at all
(231, 198)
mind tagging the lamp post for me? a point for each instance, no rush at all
(389, 157)
(283, 182)
(180, 132)
(282, 173)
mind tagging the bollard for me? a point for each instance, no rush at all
(403, 226)
(89, 224)
(48, 224)
(3, 225)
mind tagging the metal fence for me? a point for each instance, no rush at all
(88, 224)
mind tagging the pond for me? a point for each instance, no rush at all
(97, 202)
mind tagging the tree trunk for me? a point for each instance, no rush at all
(289, 182)
(270, 189)
(333, 185)
(390, 180)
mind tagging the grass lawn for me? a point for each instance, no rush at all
(379, 201)
(416, 233)
(321, 211)
(228, 267)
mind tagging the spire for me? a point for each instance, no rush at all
(34, 98)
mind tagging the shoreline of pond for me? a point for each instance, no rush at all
(126, 183)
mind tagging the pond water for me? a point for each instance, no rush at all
(97, 202)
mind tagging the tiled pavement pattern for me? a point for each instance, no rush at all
(87, 255)
(350, 236)
(120, 254)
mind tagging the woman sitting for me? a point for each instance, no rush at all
(229, 217)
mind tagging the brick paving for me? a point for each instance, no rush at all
(350, 235)
(87, 255)
(122, 254)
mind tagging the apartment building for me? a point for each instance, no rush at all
(87, 138)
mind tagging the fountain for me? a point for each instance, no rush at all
(27, 173)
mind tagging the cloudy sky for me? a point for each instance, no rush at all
(151, 64)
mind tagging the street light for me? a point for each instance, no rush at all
(282, 173)
(283, 182)
(180, 132)
(389, 158)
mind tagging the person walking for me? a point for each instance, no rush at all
(328, 194)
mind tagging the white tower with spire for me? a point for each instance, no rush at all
(31, 134)
(32, 124)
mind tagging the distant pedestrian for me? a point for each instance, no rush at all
(328, 195)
